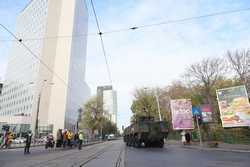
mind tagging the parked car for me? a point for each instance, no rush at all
(19, 140)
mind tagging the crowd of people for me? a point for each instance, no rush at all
(64, 138)
(68, 138)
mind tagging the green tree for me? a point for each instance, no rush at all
(92, 115)
(108, 127)
(145, 103)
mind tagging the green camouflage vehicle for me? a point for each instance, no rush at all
(146, 131)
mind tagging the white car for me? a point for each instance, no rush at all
(19, 140)
(111, 137)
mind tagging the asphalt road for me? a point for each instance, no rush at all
(115, 154)
(178, 156)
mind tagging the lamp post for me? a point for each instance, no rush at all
(158, 103)
(79, 118)
(38, 106)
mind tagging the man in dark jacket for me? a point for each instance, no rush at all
(27, 143)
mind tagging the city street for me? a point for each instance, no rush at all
(114, 153)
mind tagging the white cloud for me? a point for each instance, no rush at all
(158, 55)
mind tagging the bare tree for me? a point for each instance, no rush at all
(239, 61)
(206, 73)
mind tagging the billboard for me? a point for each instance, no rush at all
(182, 117)
(206, 111)
(234, 106)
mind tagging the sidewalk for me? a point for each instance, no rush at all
(221, 147)
(15, 146)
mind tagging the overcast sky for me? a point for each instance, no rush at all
(153, 56)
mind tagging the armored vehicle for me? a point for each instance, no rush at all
(146, 131)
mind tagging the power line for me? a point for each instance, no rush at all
(187, 19)
(179, 20)
(102, 42)
(51, 37)
(37, 57)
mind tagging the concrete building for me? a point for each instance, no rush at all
(54, 31)
(108, 98)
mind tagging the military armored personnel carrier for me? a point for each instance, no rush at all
(146, 132)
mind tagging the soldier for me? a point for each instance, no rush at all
(28, 142)
(80, 139)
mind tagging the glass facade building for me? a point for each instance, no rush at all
(53, 31)
(108, 103)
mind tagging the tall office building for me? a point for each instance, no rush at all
(108, 98)
(54, 30)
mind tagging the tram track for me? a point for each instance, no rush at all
(118, 161)
(63, 157)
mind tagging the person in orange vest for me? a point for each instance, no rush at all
(65, 139)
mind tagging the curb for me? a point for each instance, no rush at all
(217, 149)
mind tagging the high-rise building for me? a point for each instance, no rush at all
(108, 98)
(55, 31)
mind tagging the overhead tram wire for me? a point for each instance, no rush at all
(51, 37)
(187, 19)
(102, 42)
(34, 55)
(181, 20)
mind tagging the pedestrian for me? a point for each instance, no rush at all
(187, 138)
(183, 139)
(10, 137)
(1, 140)
(5, 140)
(28, 142)
(59, 138)
(65, 139)
(69, 135)
(80, 140)
(76, 138)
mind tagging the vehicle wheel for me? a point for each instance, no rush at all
(133, 142)
(137, 143)
(161, 143)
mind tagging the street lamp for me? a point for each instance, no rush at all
(158, 103)
(38, 106)
(79, 118)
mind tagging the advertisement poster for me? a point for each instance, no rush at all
(234, 106)
(206, 111)
(182, 117)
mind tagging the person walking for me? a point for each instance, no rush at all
(80, 140)
(59, 138)
(76, 138)
(28, 142)
(188, 138)
(65, 139)
(183, 139)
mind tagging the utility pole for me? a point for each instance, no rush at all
(158, 104)
(196, 117)
(37, 113)
(38, 107)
